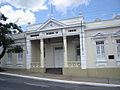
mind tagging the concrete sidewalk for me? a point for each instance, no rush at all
(64, 77)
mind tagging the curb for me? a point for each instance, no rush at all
(63, 81)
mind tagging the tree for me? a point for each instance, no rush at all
(6, 41)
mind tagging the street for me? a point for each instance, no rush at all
(17, 83)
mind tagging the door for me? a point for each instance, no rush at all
(58, 57)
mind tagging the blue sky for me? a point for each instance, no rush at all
(104, 9)
(38, 11)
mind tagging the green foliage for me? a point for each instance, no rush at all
(6, 41)
(15, 49)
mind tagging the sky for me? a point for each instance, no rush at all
(23, 12)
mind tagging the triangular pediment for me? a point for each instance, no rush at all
(52, 24)
(99, 36)
(117, 33)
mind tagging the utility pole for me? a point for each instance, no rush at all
(51, 10)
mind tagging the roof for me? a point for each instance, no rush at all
(75, 21)
(102, 24)
(68, 22)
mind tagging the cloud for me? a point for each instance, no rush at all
(24, 10)
(33, 5)
(64, 5)
(23, 16)
(37, 5)
(4, 1)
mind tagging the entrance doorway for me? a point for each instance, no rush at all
(58, 61)
(58, 57)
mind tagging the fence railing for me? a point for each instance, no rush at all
(74, 63)
(70, 64)
(35, 65)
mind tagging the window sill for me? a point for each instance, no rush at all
(8, 63)
(19, 63)
(101, 61)
(118, 60)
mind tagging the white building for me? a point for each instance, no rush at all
(70, 47)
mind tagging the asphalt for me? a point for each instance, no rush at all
(21, 82)
(115, 81)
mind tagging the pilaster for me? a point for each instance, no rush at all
(83, 49)
(65, 51)
(42, 52)
(28, 54)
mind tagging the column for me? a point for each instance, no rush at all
(83, 49)
(42, 52)
(65, 51)
(28, 54)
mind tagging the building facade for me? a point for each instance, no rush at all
(69, 47)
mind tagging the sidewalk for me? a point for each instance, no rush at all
(64, 77)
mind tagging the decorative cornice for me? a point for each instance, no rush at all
(99, 36)
(116, 34)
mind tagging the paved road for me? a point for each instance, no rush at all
(17, 83)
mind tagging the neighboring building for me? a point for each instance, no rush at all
(69, 47)
(16, 60)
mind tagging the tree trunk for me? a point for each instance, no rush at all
(3, 52)
(1, 56)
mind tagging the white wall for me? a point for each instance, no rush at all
(110, 46)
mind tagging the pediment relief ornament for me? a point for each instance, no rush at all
(116, 34)
(51, 24)
(99, 36)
